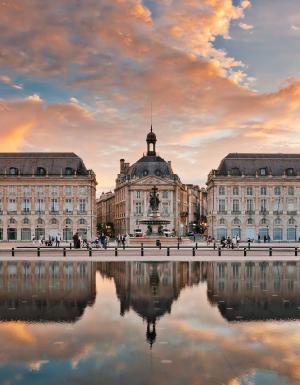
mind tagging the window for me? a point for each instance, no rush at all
(26, 205)
(165, 208)
(165, 194)
(13, 171)
(290, 172)
(250, 205)
(249, 191)
(262, 171)
(40, 205)
(69, 171)
(277, 206)
(82, 205)
(138, 208)
(236, 221)
(236, 205)
(12, 221)
(250, 221)
(40, 190)
(221, 190)
(54, 190)
(263, 205)
(145, 172)
(68, 205)
(53, 221)
(68, 190)
(27, 190)
(222, 205)
(291, 205)
(291, 221)
(263, 191)
(222, 221)
(12, 189)
(277, 190)
(68, 221)
(158, 172)
(26, 221)
(291, 190)
(277, 221)
(235, 190)
(138, 194)
(263, 221)
(82, 221)
(12, 206)
(235, 171)
(83, 190)
(40, 171)
(40, 221)
(53, 205)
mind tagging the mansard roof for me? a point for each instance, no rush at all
(251, 164)
(50, 163)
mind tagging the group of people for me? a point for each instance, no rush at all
(47, 242)
(231, 243)
(122, 240)
(266, 238)
(78, 241)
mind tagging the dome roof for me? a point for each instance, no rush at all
(150, 165)
(151, 137)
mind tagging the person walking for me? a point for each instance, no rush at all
(57, 240)
(76, 241)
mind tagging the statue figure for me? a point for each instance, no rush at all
(154, 200)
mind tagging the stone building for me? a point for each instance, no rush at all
(106, 212)
(134, 184)
(45, 194)
(255, 196)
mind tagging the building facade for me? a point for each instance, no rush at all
(131, 197)
(46, 194)
(106, 212)
(255, 196)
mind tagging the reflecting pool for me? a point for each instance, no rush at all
(139, 323)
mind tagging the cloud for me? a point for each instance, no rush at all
(295, 28)
(246, 26)
(34, 98)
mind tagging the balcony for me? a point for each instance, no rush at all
(236, 212)
(82, 212)
(277, 212)
(222, 212)
(250, 212)
(53, 212)
(66, 212)
(264, 212)
(292, 212)
(138, 214)
(25, 211)
(40, 212)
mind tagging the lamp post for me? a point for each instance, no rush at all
(295, 233)
(239, 231)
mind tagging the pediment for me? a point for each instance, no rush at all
(152, 181)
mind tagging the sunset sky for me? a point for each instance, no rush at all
(223, 76)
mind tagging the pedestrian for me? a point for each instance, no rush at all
(238, 239)
(123, 240)
(258, 238)
(119, 238)
(76, 240)
(57, 240)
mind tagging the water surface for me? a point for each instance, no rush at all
(150, 323)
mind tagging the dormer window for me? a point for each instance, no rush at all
(290, 172)
(69, 171)
(235, 171)
(263, 171)
(145, 172)
(157, 172)
(13, 171)
(40, 171)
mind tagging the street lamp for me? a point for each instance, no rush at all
(239, 231)
(295, 233)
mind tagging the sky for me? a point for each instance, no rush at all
(222, 76)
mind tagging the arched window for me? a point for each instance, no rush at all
(277, 190)
(69, 171)
(263, 221)
(26, 221)
(263, 171)
(277, 221)
(13, 171)
(12, 221)
(40, 221)
(291, 221)
(68, 221)
(40, 171)
(82, 221)
(236, 221)
(290, 172)
(53, 221)
(158, 172)
(250, 221)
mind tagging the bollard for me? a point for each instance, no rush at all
(168, 251)
(159, 245)
(245, 252)
(123, 246)
(270, 252)
(214, 245)
(70, 245)
(296, 251)
(116, 251)
(142, 250)
(64, 252)
(13, 252)
(178, 246)
(196, 246)
(194, 251)
(219, 251)
(90, 252)
(248, 245)
(38, 252)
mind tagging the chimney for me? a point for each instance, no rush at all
(122, 164)
(170, 166)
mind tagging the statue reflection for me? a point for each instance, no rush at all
(45, 291)
(255, 290)
(151, 288)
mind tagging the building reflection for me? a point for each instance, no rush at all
(255, 290)
(151, 288)
(45, 291)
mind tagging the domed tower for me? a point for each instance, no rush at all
(151, 143)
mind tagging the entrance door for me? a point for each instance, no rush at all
(291, 234)
(12, 234)
(39, 233)
(250, 233)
